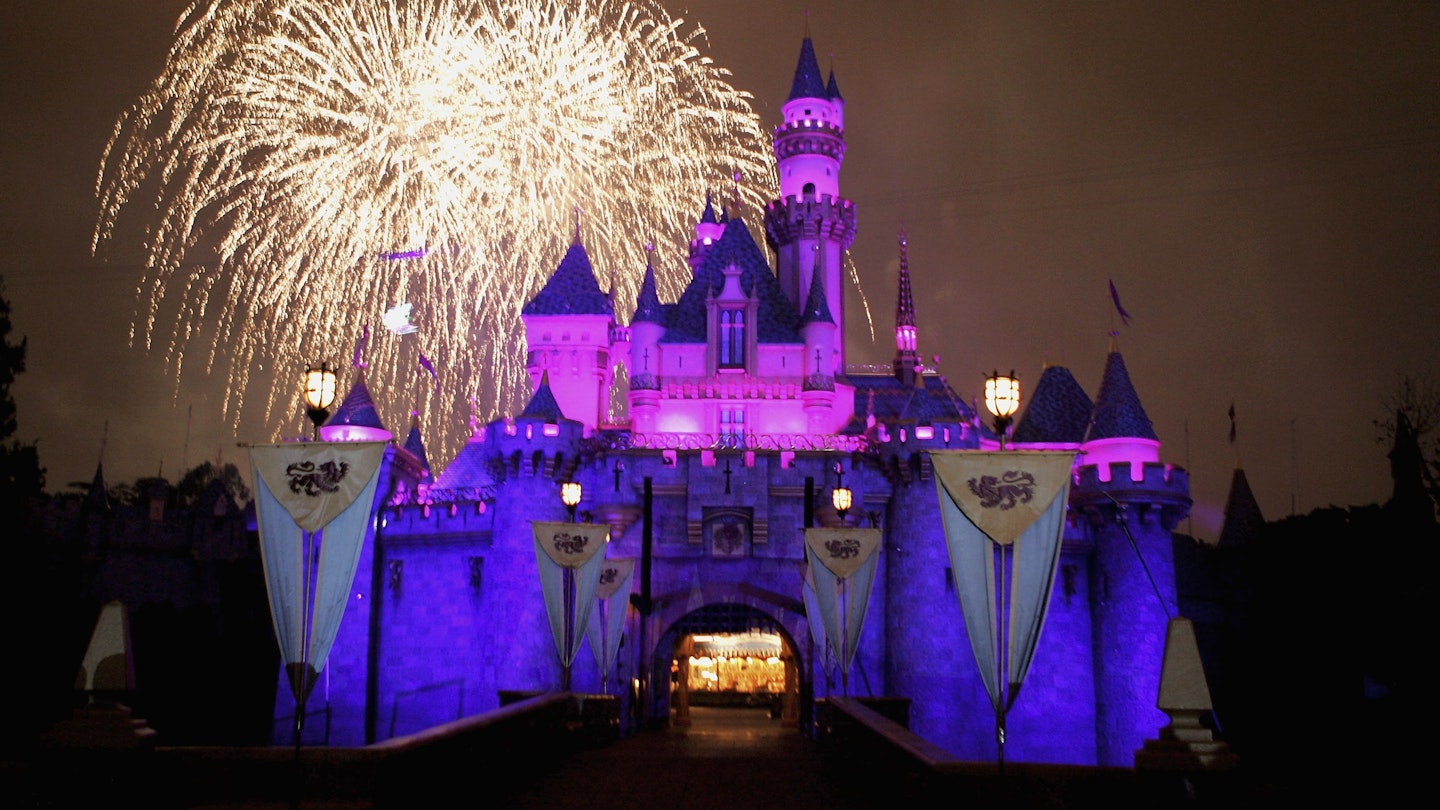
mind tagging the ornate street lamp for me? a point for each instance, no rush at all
(1002, 399)
(319, 394)
(841, 497)
(570, 496)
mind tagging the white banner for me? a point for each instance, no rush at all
(570, 556)
(990, 502)
(607, 623)
(842, 565)
(312, 497)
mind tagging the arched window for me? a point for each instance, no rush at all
(732, 338)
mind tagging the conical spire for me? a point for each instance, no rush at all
(572, 290)
(542, 404)
(1243, 520)
(1058, 411)
(416, 447)
(907, 335)
(648, 308)
(807, 83)
(96, 497)
(1118, 412)
(817, 305)
(356, 419)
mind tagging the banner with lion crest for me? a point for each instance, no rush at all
(842, 568)
(1005, 504)
(313, 504)
(571, 556)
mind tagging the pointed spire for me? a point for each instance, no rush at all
(542, 404)
(1243, 520)
(356, 418)
(647, 304)
(1118, 412)
(708, 217)
(905, 301)
(572, 290)
(807, 83)
(1058, 410)
(96, 497)
(416, 446)
(907, 336)
(578, 212)
(817, 305)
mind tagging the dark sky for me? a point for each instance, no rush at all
(1260, 179)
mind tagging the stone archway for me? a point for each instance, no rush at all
(737, 625)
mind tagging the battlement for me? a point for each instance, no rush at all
(1121, 475)
(1161, 492)
(826, 216)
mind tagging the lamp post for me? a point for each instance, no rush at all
(570, 496)
(1002, 399)
(319, 394)
(841, 497)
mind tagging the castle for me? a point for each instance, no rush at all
(744, 417)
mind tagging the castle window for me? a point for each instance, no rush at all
(732, 338)
(732, 426)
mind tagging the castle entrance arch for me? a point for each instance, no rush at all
(731, 656)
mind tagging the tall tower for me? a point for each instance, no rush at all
(907, 355)
(811, 225)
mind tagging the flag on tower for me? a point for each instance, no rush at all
(1115, 296)
(1232, 423)
(430, 367)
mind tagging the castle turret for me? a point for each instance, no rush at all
(817, 327)
(1127, 504)
(647, 326)
(356, 420)
(707, 233)
(811, 215)
(568, 329)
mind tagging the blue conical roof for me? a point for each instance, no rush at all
(776, 320)
(648, 308)
(358, 408)
(817, 304)
(572, 290)
(832, 89)
(543, 405)
(1058, 411)
(1118, 412)
(808, 83)
(415, 445)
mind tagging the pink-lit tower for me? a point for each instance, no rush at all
(568, 332)
(907, 356)
(811, 226)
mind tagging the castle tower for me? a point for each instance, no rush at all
(647, 325)
(907, 357)
(1129, 504)
(817, 327)
(811, 215)
(567, 331)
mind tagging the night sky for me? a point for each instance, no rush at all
(1261, 181)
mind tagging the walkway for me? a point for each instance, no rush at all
(728, 759)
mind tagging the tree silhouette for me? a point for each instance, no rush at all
(21, 476)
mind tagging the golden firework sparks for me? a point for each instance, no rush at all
(313, 163)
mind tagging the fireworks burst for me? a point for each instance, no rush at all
(313, 163)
